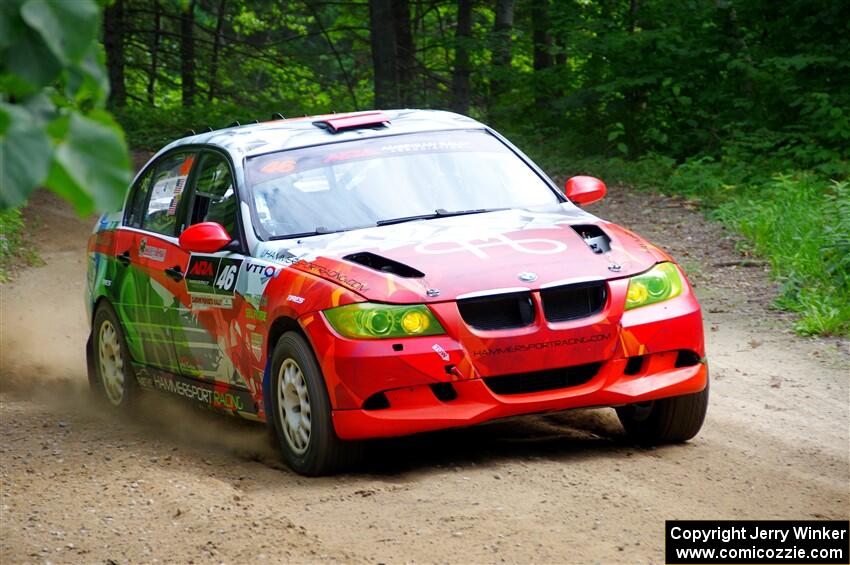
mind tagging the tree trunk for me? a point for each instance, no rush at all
(633, 96)
(542, 51)
(541, 37)
(384, 60)
(113, 43)
(405, 52)
(737, 43)
(157, 23)
(213, 80)
(460, 76)
(187, 54)
(501, 59)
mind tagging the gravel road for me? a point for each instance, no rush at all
(181, 485)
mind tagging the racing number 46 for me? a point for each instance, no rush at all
(226, 278)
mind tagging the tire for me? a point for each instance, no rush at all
(668, 420)
(301, 412)
(114, 380)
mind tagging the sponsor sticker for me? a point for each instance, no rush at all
(150, 251)
(532, 246)
(266, 272)
(211, 281)
(440, 351)
(205, 393)
(257, 345)
(541, 345)
(253, 314)
(212, 301)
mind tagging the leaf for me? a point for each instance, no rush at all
(623, 148)
(67, 27)
(10, 22)
(91, 166)
(31, 60)
(87, 81)
(24, 155)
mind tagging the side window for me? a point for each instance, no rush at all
(215, 197)
(169, 180)
(135, 210)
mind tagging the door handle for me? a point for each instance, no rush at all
(124, 258)
(175, 273)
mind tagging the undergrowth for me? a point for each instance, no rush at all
(13, 249)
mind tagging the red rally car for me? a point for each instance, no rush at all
(376, 274)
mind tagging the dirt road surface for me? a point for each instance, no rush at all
(181, 485)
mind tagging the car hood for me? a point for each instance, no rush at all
(446, 258)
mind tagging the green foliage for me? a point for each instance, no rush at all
(802, 224)
(13, 251)
(51, 131)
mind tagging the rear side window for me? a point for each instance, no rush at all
(169, 180)
(215, 197)
(138, 200)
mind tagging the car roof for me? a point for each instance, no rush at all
(266, 137)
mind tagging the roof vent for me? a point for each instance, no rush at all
(343, 122)
(384, 265)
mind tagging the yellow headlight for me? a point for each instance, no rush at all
(662, 282)
(637, 293)
(415, 322)
(366, 320)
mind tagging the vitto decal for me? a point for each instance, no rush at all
(211, 281)
(532, 246)
(266, 272)
(541, 345)
(440, 351)
(151, 252)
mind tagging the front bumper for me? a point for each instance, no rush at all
(411, 376)
(417, 409)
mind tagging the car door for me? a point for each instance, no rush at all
(209, 341)
(149, 292)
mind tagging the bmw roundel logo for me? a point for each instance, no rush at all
(527, 277)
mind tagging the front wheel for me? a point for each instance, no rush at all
(667, 420)
(301, 412)
(113, 372)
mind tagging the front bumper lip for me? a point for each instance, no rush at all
(416, 409)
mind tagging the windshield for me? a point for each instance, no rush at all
(370, 182)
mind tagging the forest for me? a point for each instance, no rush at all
(743, 107)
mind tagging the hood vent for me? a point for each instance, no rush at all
(384, 265)
(594, 237)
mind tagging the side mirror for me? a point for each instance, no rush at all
(206, 237)
(584, 190)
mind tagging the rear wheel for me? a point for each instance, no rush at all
(667, 420)
(301, 412)
(114, 378)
